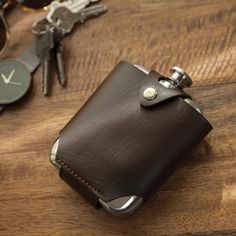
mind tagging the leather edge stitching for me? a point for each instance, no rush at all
(80, 178)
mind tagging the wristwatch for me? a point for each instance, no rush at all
(15, 75)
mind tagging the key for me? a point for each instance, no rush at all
(39, 26)
(73, 5)
(45, 44)
(64, 20)
(59, 57)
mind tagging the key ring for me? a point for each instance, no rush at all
(40, 26)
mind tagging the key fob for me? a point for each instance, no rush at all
(114, 152)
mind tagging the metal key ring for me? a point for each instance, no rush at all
(41, 26)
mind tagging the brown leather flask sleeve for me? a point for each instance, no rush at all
(115, 146)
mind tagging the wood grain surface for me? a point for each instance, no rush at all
(200, 197)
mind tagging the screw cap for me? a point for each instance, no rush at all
(180, 77)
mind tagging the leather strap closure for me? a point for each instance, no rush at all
(161, 93)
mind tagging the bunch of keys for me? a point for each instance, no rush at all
(50, 31)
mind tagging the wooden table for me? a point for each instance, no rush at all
(200, 197)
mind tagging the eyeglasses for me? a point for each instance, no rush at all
(25, 5)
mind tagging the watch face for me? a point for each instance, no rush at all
(15, 81)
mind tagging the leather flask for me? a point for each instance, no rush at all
(128, 137)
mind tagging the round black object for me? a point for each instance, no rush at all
(34, 4)
(15, 81)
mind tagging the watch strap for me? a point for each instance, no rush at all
(1, 108)
(30, 58)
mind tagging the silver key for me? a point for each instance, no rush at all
(73, 5)
(58, 50)
(45, 45)
(64, 20)
(40, 26)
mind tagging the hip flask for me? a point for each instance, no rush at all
(114, 152)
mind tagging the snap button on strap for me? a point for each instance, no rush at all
(153, 93)
(150, 93)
